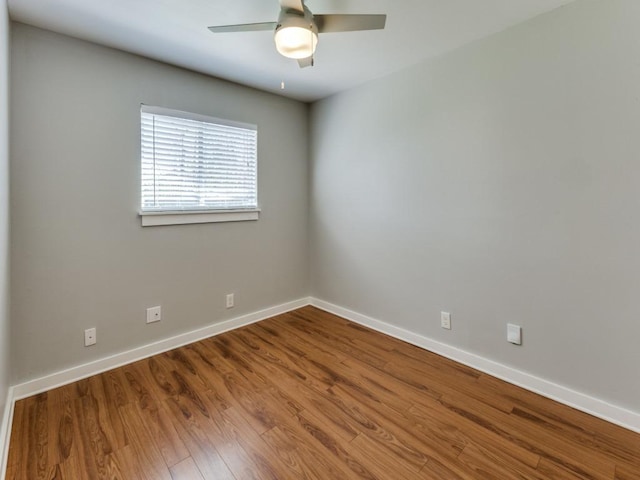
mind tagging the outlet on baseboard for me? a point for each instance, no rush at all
(230, 300)
(445, 320)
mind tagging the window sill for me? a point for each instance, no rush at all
(180, 217)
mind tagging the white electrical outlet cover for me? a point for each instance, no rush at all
(445, 320)
(514, 334)
(154, 314)
(89, 337)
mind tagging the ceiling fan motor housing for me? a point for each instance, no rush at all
(296, 34)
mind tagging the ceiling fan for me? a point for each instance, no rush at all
(297, 29)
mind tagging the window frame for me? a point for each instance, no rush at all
(183, 216)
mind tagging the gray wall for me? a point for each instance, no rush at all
(500, 182)
(79, 255)
(4, 208)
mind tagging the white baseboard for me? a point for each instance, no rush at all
(5, 432)
(79, 372)
(580, 401)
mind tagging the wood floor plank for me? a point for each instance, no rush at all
(613, 445)
(314, 330)
(616, 441)
(92, 429)
(413, 378)
(379, 460)
(450, 470)
(83, 457)
(214, 377)
(128, 462)
(285, 371)
(627, 472)
(396, 432)
(186, 470)
(114, 384)
(193, 430)
(292, 456)
(293, 444)
(143, 444)
(158, 422)
(163, 382)
(108, 418)
(38, 437)
(138, 386)
(436, 418)
(223, 348)
(326, 438)
(276, 355)
(426, 378)
(215, 444)
(263, 455)
(61, 424)
(18, 454)
(549, 469)
(538, 440)
(395, 394)
(282, 326)
(491, 463)
(320, 404)
(308, 395)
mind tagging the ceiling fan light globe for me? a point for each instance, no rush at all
(296, 42)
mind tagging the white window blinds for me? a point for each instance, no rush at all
(194, 162)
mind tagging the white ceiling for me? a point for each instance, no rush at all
(174, 31)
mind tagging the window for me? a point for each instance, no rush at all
(196, 169)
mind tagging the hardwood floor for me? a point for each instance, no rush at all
(308, 395)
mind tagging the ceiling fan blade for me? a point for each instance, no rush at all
(244, 27)
(349, 23)
(297, 5)
(306, 62)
